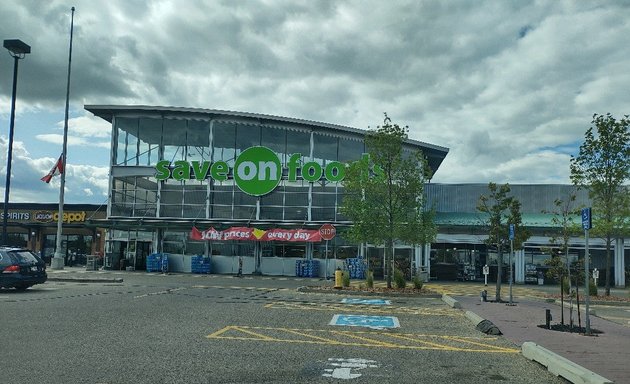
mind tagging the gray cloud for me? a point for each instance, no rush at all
(510, 87)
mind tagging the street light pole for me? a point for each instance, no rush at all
(18, 50)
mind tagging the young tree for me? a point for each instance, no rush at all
(564, 219)
(384, 193)
(603, 167)
(502, 210)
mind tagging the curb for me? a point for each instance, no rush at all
(451, 302)
(560, 366)
(85, 280)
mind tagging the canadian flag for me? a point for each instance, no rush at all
(56, 170)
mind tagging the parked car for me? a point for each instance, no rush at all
(21, 268)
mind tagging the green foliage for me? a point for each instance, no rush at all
(417, 282)
(399, 279)
(603, 167)
(565, 285)
(592, 288)
(384, 193)
(500, 210)
(370, 279)
(345, 279)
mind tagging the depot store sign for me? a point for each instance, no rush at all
(257, 170)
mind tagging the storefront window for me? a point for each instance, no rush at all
(324, 148)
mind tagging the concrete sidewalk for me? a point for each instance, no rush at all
(607, 353)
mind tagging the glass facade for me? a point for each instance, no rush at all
(142, 141)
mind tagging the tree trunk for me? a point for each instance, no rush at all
(497, 296)
(608, 244)
(388, 262)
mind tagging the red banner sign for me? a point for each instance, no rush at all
(255, 234)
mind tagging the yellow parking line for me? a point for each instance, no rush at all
(367, 339)
(425, 342)
(372, 341)
(362, 308)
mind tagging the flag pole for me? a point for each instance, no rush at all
(58, 259)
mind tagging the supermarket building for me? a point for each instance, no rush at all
(182, 178)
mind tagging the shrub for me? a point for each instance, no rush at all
(345, 279)
(370, 279)
(399, 279)
(565, 285)
(592, 288)
(417, 282)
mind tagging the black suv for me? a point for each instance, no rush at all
(21, 268)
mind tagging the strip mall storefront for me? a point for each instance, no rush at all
(34, 226)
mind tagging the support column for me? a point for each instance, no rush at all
(619, 263)
(519, 266)
(427, 260)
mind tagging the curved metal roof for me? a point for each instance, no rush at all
(434, 153)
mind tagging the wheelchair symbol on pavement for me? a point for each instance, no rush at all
(375, 322)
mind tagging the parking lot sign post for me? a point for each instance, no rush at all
(587, 223)
(328, 232)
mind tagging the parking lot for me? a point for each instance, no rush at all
(219, 329)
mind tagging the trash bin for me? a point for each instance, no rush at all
(541, 278)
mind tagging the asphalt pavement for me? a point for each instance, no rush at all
(605, 353)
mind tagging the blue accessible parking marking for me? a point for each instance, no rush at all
(366, 301)
(376, 322)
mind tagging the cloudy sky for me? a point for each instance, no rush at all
(509, 87)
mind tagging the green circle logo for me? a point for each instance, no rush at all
(257, 171)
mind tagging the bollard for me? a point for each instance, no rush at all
(338, 278)
(548, 318)
(484, 296)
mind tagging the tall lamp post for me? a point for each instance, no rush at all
(18, 49)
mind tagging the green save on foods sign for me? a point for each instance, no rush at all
(257, 170)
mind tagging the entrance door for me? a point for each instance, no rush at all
(143, 249)
(402, 261)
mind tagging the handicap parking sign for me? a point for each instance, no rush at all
(376, 322)
(366, 301)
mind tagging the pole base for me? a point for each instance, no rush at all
(56, 263)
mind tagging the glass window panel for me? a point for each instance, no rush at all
(296, 199)
(126, 146)
(299, 142)
(270, 213)
(274, 139)
(195, 247)
(274, 198)
(245, 212)
(221, 211)
(296, 213)
(241, 198)
(324, 199)
(324, 148)
(222, 248)
(174, 139)
(224, 139)
(149, 134)
(246, 136)
(244, 248)
(198, 141)
(222, 198)
(194, 211)
(323, 214)
(350, 150)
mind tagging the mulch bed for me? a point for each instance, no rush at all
(376, 290)
(567, 328)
